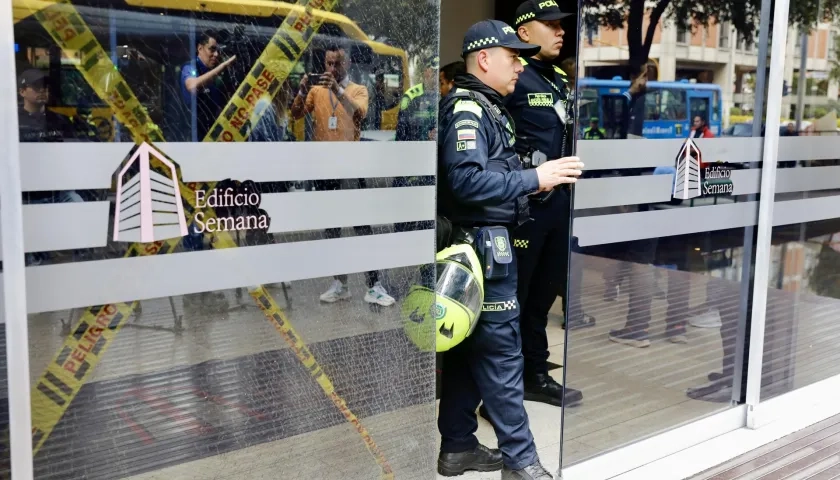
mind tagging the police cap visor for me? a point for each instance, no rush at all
(492, 34)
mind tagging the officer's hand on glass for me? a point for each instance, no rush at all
(559, 171)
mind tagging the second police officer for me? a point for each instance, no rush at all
(483, 191)
(542, 107)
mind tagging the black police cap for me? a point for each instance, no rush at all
(31, 77)
(493, 33)
(538, 10)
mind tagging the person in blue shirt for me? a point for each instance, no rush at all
(201, 80)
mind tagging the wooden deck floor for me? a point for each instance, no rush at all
(812, 453)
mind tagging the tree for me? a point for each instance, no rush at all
(834, 73)
(743, 15)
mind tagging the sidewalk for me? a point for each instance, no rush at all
(812, 453)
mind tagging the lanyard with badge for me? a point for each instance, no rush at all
(559, 106)
(333, 122)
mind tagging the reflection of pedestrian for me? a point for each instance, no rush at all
(378, 103)
(594, 131)
(35, 122)
(634, 258)
(38, 124)
(632, 125)
(700, 129)
(338, 107)
(273, 126)
(201, 82)
(447, 76)
(418, 108)
(417, 121)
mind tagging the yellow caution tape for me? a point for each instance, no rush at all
(64, 24)
(99, 325)
(69, 370)
(276, 316)
(268, 73)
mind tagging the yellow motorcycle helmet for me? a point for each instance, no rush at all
(439, 319)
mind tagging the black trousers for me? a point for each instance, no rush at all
(371, 277)
(542, 247)
(487, 367)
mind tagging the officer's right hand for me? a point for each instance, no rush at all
(558, 172)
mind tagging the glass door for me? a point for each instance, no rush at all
(802, 295)
(663, 232)
(220, 233)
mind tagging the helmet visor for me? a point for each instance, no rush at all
(457, 282)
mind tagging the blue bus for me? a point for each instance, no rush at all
(670, 107)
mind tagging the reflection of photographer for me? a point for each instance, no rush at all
(337, 105)
(201, 81)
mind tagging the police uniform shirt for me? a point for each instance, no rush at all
(418, 114)
(482, 177)
(532, 106)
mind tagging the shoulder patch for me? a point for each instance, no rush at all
(404, 103)
(524, 62)
(560, 71)
(467, 123)
(468, 106)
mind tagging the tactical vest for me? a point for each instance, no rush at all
(501, 154)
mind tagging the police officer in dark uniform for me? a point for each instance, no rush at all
(542, 107)
(594, 131)
(482, 190)
(417, 119)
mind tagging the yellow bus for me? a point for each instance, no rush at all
(150, 40)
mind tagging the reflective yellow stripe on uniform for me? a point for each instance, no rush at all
(410, 95)
(468, 106)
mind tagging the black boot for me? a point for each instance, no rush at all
(480, 459)
(544, 389)
(535, 471)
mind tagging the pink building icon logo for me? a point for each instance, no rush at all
(688, 181)
(149, 206)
